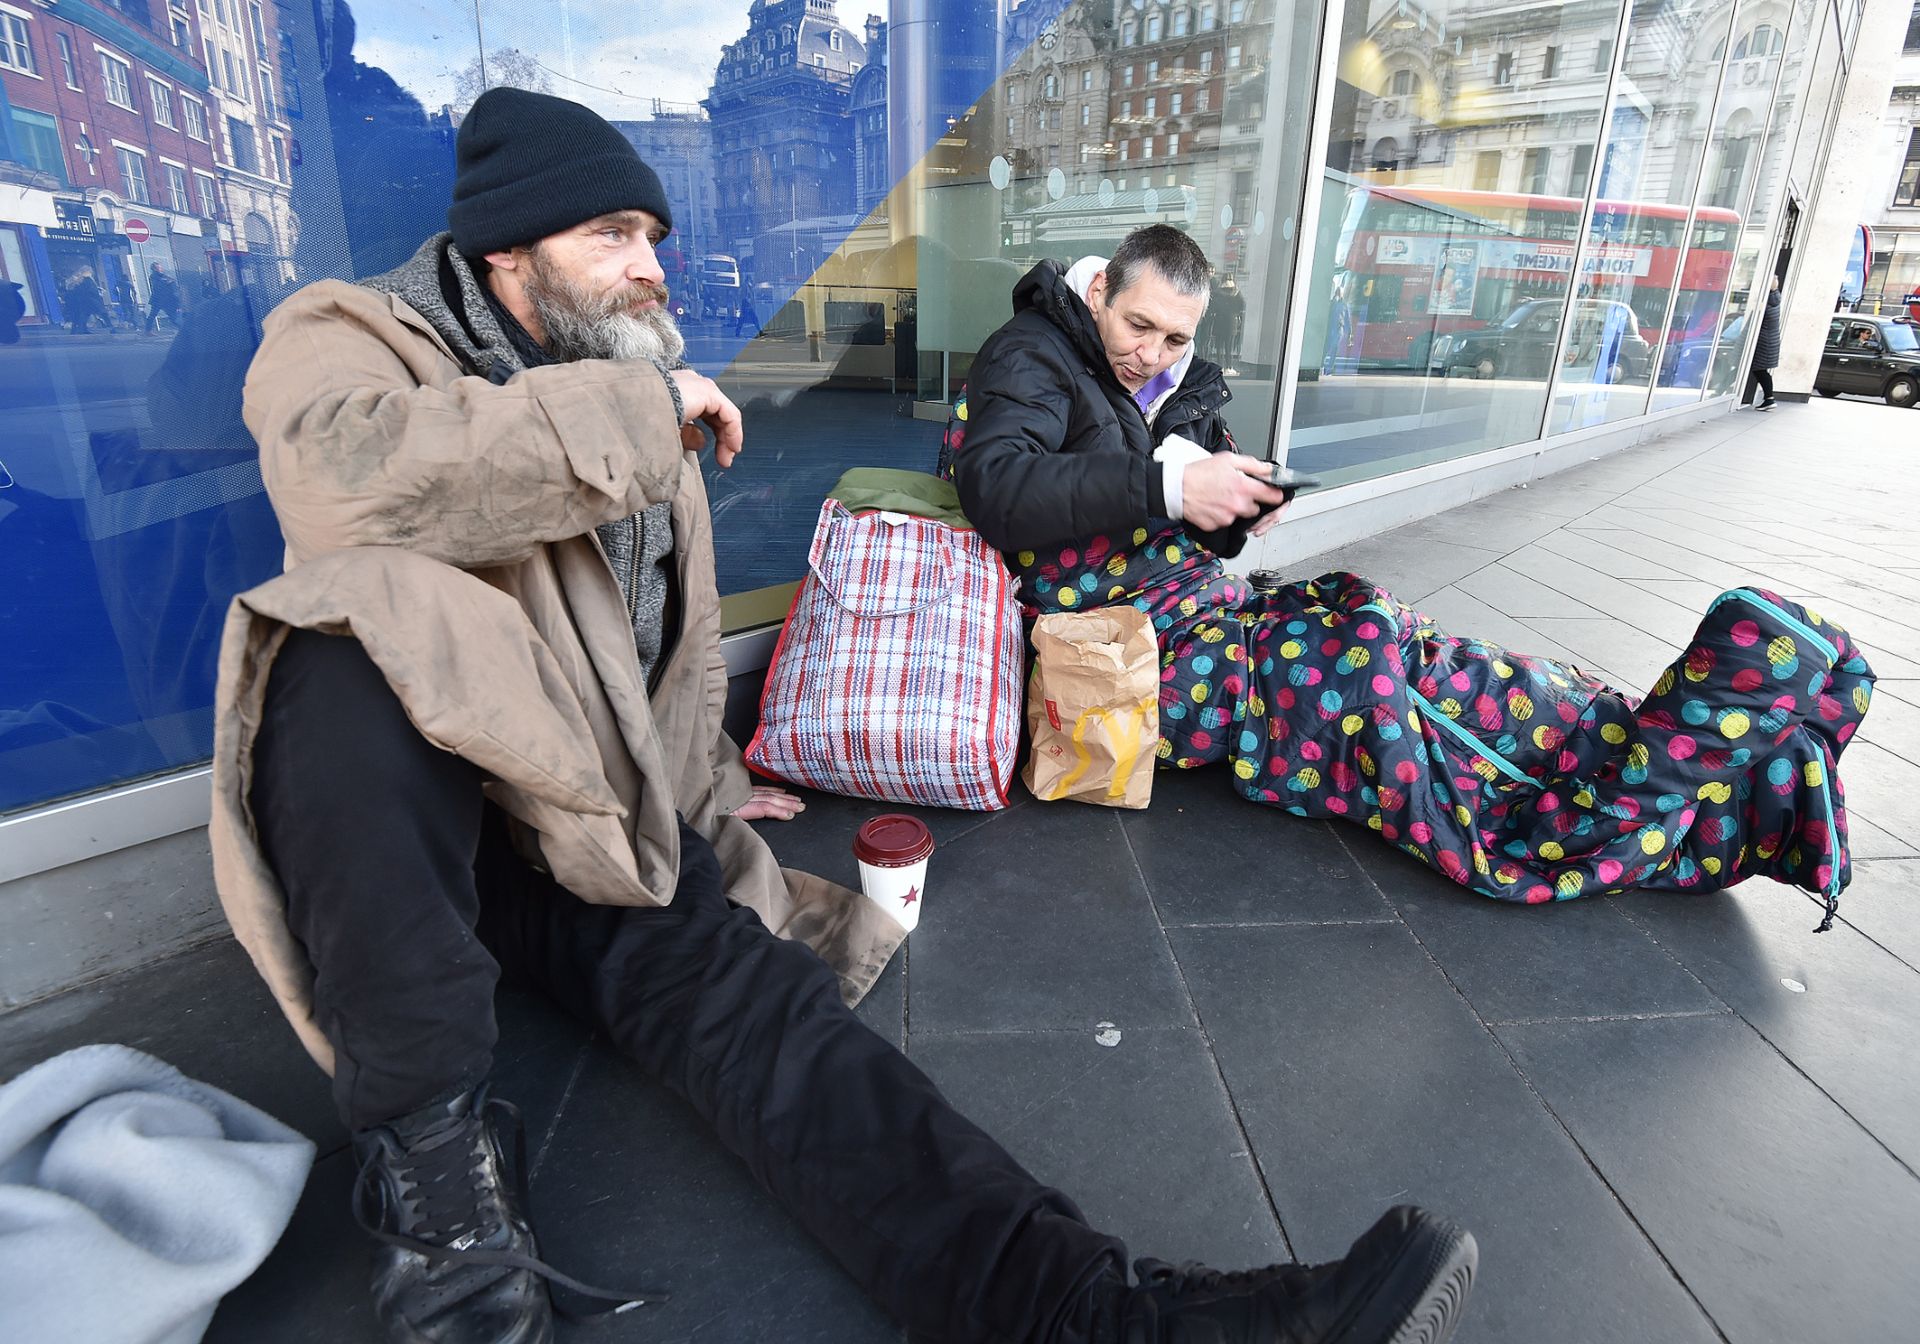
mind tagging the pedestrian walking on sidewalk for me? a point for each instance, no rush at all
(13, 307)
(1766, 351)
(163, 296)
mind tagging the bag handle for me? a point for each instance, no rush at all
(833, 568)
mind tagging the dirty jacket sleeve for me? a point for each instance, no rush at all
(1045, 457)
(369, 436)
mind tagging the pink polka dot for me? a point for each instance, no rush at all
(1460, 681)
(1201, 739)
(1747, 679)
(1610, 870)
(1406, 772)
(1548, 801)
(1330, 646)
(1539, 893)
(1568, 762)
(1452, 865)
(1846, 732)
(1338, 805)
(1745, 633)
(1367, 630)
(1069, 558)
(1388, 831)
(1681, 747)
(1420, 832)
(1383, 684)
(1310, 751)
(1567, 711)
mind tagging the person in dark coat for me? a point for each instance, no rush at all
(13, 307)
(1520, 778)
(1766, 350)
(163, 296)
(85, 302)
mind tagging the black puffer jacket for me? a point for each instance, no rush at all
(1056, 449)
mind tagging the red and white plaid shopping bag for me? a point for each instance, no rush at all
(897, 674)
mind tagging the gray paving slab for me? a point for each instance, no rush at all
(1365, 1081)
(1041, 920)
(1884, 904)
(1518, 594)
(1837, 1005)
(1632, 606)
(1783, 1217)
(1458, 610)
(1881, 787)
(1140, 1133)
(1409, 562)
(1285, 869)
(1868, 841)
(1604, 557)
(1635, 656)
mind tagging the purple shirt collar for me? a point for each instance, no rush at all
(1159, 383)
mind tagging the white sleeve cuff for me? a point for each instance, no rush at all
(1174, 455)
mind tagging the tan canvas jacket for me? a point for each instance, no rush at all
(446, 522)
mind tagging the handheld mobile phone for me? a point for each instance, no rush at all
(1293, 482)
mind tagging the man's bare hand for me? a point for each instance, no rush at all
(1226, 487)
(704, 402)
(768, 801)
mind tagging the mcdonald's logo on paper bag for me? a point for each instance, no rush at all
(1093, 707)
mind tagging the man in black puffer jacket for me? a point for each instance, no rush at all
(1070, 403)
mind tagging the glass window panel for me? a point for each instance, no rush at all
(1635, 263)
(1760, 193)
(1447, 230)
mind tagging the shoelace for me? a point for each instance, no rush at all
(445, 1183)
(1196, 1277)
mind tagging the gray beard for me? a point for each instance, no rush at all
(577, 326)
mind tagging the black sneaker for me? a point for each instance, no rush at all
(1404, 1282)
(457, 1255)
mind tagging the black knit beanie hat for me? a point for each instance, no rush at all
(527, 165)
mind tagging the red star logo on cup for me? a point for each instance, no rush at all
(912, 894)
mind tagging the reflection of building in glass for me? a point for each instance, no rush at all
(1895, 217)
(252, 136)
(872, 178)
(677, 143)
(107, 152)
(782, 134)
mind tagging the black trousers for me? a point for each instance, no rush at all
(1762, 379)
(404, 887)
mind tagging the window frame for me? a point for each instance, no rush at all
(107, 61)
(21, 40)
(126, 156)
(160, 100)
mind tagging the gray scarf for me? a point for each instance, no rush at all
(437, 283)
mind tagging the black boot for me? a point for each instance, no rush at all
(1404, 1282)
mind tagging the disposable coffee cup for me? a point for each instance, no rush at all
(892, 851)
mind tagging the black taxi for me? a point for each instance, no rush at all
(1871, 357)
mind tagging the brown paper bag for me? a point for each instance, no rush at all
(1093, 707)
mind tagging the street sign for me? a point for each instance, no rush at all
(136, 230)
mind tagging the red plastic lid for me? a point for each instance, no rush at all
(893, 840)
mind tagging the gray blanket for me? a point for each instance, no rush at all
(132, 1198)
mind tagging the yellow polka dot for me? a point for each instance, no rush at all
(1115, 593)
(1358, 656)
(1069, 597)
(1461, 814)
(1735, 725)
(1233, 652)
(1352, 724)
(1256, 706)
(1308, 777)
(1713, 791)
(1652, 840)
(1293, 648)
(1117, 564)
(1501, 670)
(1550, 851)
(1712, 865)
(1613, 733)
(1165, 750)
(1665, 684)
(1243, 768)
(1862, 697)
(1583, 799)
(1485, 769)
(1025, 558)
(1139, 535)
(1814, 774)
(1569, 884)
(1413, 720)
(1520, 706)
(1374, 821)
(1543, 736)
(1188, 606)
(1367, 767)
(1637, 755)
(1450, 707)
(1199, 691)
(1173, 555)
(1480, 864)
(1213, 634)
(1781, 650)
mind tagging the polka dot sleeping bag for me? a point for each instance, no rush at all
(1523, 778)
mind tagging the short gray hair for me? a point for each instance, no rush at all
(1176, 257)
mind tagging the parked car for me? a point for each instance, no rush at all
(1685, 362)
(1604, 346)
(719, 286)
(1870, 357)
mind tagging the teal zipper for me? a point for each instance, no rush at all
(1797, 626)
(1500, 763)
